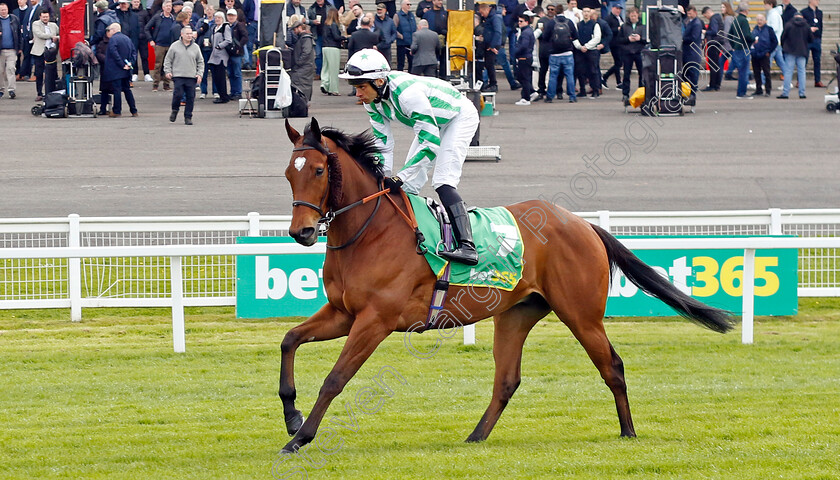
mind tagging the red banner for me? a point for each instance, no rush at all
(72, 27)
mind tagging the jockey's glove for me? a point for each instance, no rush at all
(394, 184)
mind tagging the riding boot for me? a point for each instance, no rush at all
(465, 252)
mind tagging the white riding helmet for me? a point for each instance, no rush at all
(367, 64)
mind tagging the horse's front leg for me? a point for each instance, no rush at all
(326, 324)
(366, 334)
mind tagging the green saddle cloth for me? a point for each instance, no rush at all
(497, 240)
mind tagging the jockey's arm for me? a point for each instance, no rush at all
(381, 128)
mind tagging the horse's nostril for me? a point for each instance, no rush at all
(306, 232)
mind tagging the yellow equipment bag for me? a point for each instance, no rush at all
(460, 34)
(638, 97)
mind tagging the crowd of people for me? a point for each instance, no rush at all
(556, 41)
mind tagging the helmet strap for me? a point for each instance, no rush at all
(382, 92)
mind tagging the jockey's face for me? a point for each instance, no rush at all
(366, 93)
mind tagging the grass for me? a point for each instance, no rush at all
(107, 398)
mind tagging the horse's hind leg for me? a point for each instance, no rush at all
(589, 331)
(511, 329)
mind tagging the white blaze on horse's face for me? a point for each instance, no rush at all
(299, 163)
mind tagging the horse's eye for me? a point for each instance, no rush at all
(319, 172)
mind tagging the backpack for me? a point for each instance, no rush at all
(299, 107)
(561, 36)
(234, 48)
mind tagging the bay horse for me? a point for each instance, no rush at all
(376, 284)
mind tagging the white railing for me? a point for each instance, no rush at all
(175, 253)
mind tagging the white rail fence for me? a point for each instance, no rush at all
(174, 262)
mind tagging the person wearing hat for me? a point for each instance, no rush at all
(104, 18)
(302, 72)
(442, 134)
(239, 33)
(740, 37)
(384, 24)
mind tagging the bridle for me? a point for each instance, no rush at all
(328, 216)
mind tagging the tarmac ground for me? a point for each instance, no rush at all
(729, 155)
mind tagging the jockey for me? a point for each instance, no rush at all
(444, 123)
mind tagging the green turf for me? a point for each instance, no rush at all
(107, 398)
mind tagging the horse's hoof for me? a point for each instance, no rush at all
(294, 423)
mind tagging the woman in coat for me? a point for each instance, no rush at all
(303, 60)
(219, 57)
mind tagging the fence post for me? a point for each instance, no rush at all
(748, 298)
(604, 219)
(177, 291)
(775, 221)
(74, 270)
(253, 224)
(469, 334)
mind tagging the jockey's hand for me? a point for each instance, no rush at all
(394, 184)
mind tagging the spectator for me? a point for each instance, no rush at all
(356, 22)
(317, 13)
(544, 49)
(524, 59)
(425, 45)
(117, 70)
(45, 38)
(26, 13)
(205, 41)
(493, 36)
(692, 52)
(234, 68)
(714, 49)
(723, 37)
(159, 31)
(104, 18)
(814, 17)
(364, 37)
(572, 12)
(788, 12)
(764, 46)
(741, 39)
(437, 18)
(348, 16)
(562, 34)
(406, 25)
(142, 40)
(774, 21)
(633, 39)
(387, 31)
(131, 28)
(184, 65)
(331, 53)
(218, 60)
(251, 10)
(796, 39)
(9, 49)
(303, 60)
(423, 6)
(104, 85)
(390, 8)
(603, 45)
(589, 36)
(615, 21)
(293, 8)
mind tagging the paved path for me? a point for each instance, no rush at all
(731, 154)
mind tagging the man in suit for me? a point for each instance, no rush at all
(425, 45)
(45, 36)
(118, 65)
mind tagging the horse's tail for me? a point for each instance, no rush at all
(651, 282)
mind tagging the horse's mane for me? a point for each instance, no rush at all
(360, 146)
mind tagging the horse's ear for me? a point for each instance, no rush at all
(294, 135)
(315, 130)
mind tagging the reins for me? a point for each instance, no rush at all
(328, 216)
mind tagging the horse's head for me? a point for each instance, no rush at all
(310, 171)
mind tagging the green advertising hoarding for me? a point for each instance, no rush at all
(292, 284)
(279, 285)
(713, 277)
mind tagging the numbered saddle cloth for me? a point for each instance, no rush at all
(497, 240)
